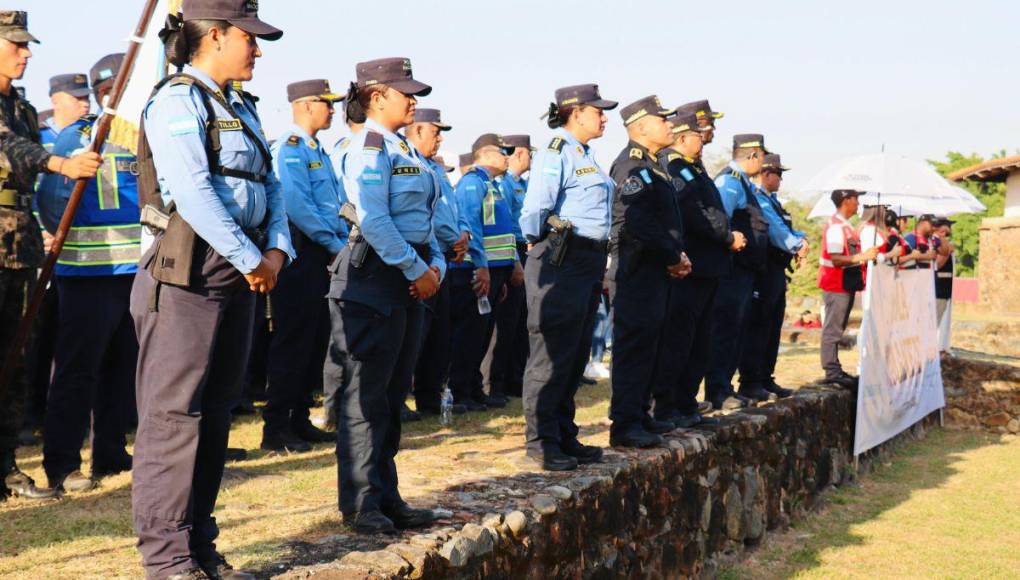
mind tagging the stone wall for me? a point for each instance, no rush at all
(662, 513)
(997, 271)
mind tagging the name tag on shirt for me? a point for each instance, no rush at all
(228, 124)
(407, 170)
(586, 171)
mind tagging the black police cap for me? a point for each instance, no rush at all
(106, 69)
(491, 140)
(432, 116)
(243, 14)
(76, 85)
(518, 141)
(749, 141)
(641, 108)
(317, 88)
(583, 95)
(394, 72)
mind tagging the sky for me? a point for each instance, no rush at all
(821, 80)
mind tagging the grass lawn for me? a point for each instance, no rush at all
(944, 507)
(952, 501)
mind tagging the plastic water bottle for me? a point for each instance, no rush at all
(446, 406)
(483, 305)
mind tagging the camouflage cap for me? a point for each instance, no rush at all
(14, 26)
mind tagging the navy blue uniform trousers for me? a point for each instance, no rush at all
(297, 345)
(193, 348)
(562, 301)
(639, 310)
(768, 308)
(729, 325)
(433, 364)
(471, 331)
(687, 341)
(94, 373)
(504, 362)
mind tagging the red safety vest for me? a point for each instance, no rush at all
(830, 276)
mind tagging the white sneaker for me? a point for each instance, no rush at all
(590, 372)
(600, 370)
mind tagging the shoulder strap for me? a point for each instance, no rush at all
(557, 144)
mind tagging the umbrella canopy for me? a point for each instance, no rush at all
(913, 186)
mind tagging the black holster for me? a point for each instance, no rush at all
(558, 242)
(175, 252)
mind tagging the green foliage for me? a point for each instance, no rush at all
(965, 231)
(804, 281)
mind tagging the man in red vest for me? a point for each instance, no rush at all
(840, 277)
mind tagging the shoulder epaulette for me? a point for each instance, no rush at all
(557, 144)
(88, 118)
(294, 140)
(673, 157)
(374, 141)
(636, 153)
(182, 80)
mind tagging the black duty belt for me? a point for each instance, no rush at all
(584, 243)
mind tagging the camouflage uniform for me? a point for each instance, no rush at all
(21, 250)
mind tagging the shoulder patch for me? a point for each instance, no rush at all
(293, 140)
(632, 185)
(374, 141)
(557, 144)
(404, 148)
(645, 176)
(636, 153)
(687, 174)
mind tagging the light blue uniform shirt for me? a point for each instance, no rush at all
(337, 157)
(731, 189)
(395, 194)
(217, 207)
(780, 235)
(567, 181)
(310, 188)
(513, 189)
(445, 219)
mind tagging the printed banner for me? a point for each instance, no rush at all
(901, 377)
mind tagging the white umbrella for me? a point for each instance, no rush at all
(899, 181)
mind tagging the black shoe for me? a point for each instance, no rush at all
(635, 438)
(245, 407)
(754, 392)
(584, 454)
(587, 381)
(235, 454)
(192, 574)
(283, 440)
(21, 485)
(513, 390)
(27, 438)
(776, 390)
(370, 522)
(310, 433)
(217, 568)
(409, 416)
(656, 426)
(405, 517)
(75, 482)
(688, 421)
(474, 406)
(107, 467)
(841, 380)
(553, 460)
(494, 401)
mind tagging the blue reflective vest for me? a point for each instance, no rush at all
(105, 238)
(497, 227)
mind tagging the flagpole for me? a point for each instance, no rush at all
(109, 110)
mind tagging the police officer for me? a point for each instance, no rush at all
(768, 303)
(563, 288)
(729, 319)
(504, 362)
(96, 351)
(298, 342)
(477, 284)
(376, 295)
(22, 158)
(706, 118)
(648, 249)
(464, 163)
(226, 238)
(684, 355)
(452, 233)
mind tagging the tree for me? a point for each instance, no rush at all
(965, 231)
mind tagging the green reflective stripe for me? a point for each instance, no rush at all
(107, 183)
(91, 235)
(500, 240)
(493, 255)
(489, 207)
(502, 247)
(102, 256)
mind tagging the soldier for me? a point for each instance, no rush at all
(768, 304)
(733, 299)
(684, 356)
(503, 366)
(222, 235)
(647, 249)
(22, 158)
(567, 216)
(477, 284)
(96, 352)
(452, 234)
(391, 264)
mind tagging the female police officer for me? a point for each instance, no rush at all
(193, 303)
(563, 289)
(390, 265)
